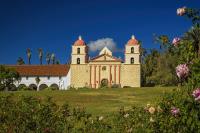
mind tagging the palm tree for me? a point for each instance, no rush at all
(53, 58)
(28, 52)
(40, 55)
(48, 58)
(20, 61)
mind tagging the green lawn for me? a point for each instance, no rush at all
(101, 101)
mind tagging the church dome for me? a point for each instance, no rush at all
(79, 42)
(132, 41)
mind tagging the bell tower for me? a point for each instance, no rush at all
(132, 51)
(79, 52)
(131, 69)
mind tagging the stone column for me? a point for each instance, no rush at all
(91, 76)
(99, 75)
(119, 73)
(110, 75)
(95, 76)
(115, 74)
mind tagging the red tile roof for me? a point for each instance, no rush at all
(79, 42)
(41, 70)
(132, 41)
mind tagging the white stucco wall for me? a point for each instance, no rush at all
(62, 81)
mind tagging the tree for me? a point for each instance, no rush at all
(7, 77)
(37, 80)
(20, 61)
(48, 58)
(53, 58)
(40, 52)
(28, 52)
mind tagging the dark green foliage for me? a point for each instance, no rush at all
(7, 77)
(158, 68)
(30, 114)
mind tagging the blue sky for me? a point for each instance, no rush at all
(54, 25)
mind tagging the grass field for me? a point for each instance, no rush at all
(101, 101)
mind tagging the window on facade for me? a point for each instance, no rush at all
(48, 77)
(132, 49)
(78, 51)
(132, 60)
(26, 77)
(59, 77)
(78, 60)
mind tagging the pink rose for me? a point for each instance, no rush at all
(182, 71)
(176, 41)
(175, 111)
(196, 94)
(181, 11)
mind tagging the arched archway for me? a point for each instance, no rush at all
(43, 86)
(132, 49)
(22, 86)
(78, 60)
(54, 87)
(12, 87)
(78, 50)
(132, 60)
(104, 83)
(33, 87)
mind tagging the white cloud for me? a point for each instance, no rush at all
(101, 43)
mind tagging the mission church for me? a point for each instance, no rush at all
(104, 69)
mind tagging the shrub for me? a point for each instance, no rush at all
(127, 87)
(29, 114)
(116, 86)
(50, 88)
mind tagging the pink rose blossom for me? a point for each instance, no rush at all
(175, 111)
(196, 94)
(181, 11)
(182, 71)
(176, 41)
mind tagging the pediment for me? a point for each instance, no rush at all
(106, 51)
(105, 58)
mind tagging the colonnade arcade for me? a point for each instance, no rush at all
(104, 72)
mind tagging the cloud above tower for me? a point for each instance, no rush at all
(101, 43)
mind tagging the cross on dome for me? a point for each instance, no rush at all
(132, 37)
(79, 37)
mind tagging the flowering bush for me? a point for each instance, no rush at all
(182, 71)
(176, 41)
(181, 11)
(196, 94)
(177, 111)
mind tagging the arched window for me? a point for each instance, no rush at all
(132, 49)
(78, 60)
(132, 60)
(78, 50)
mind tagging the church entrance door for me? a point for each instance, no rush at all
(104, 83)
